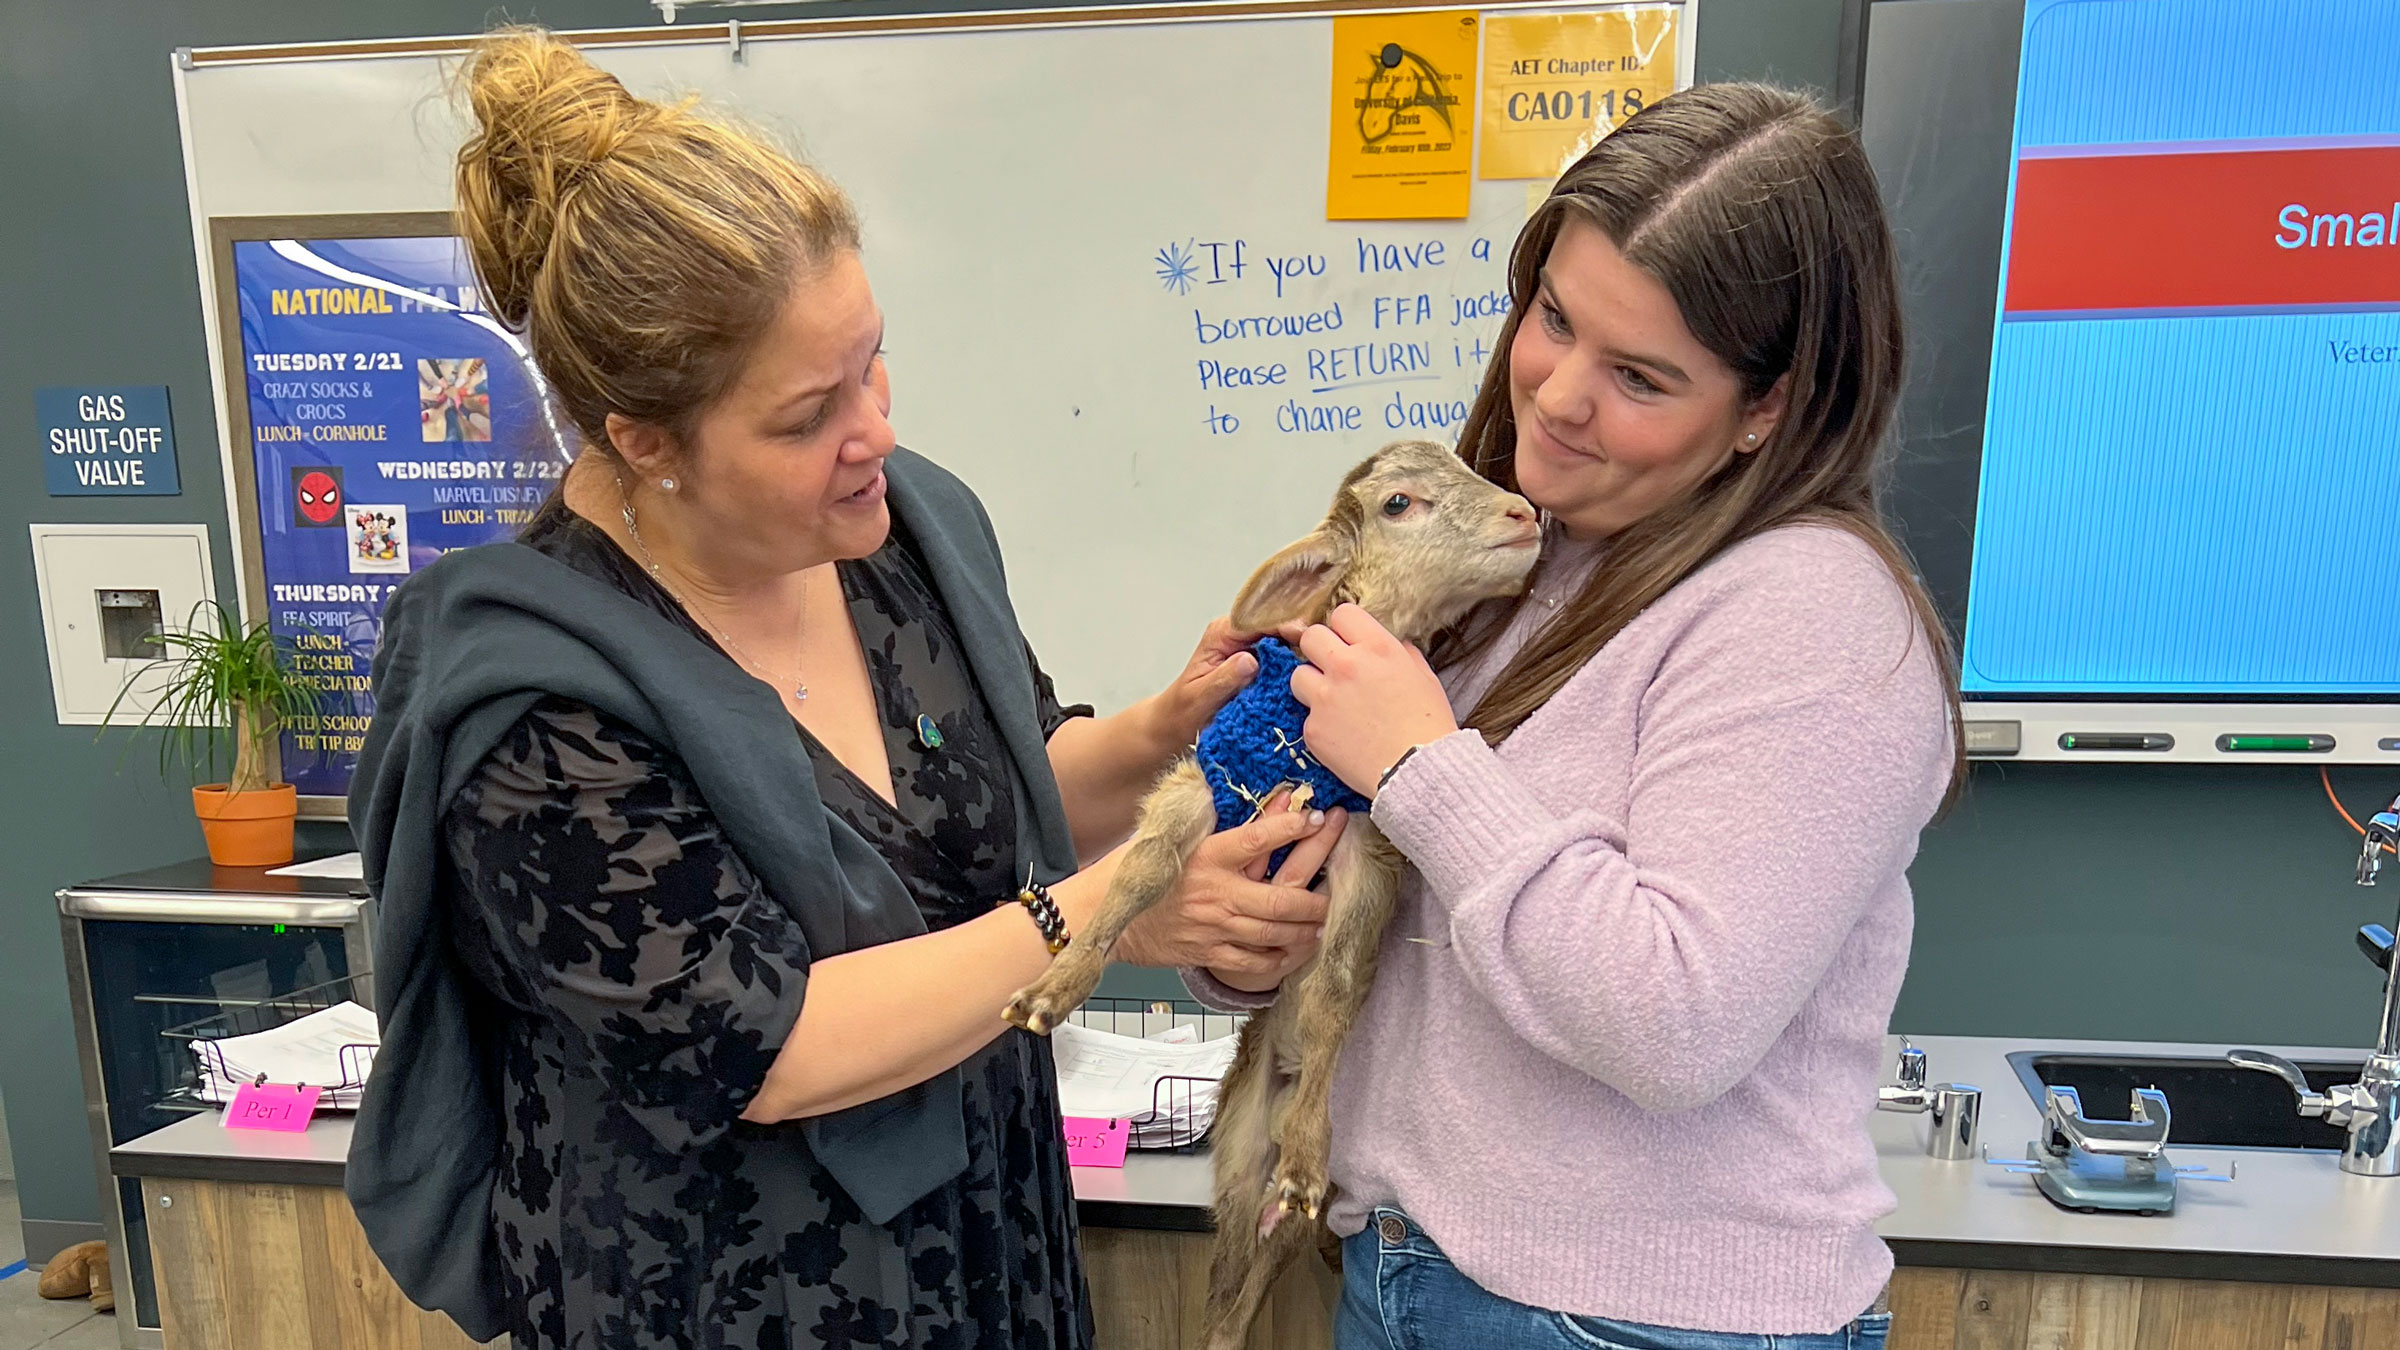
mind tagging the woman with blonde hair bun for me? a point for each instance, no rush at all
(714, 819)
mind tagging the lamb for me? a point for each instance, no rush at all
(1415, 538)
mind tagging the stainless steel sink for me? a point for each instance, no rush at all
(2213, 1102)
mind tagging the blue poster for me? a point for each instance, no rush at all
(391, 420)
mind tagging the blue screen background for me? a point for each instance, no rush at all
(2203, 503)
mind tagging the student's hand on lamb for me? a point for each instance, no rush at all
(1370, 697)
(1227, 917)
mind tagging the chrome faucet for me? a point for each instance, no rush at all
(1909, 1093)
(2383, 834)
(1955, 1108)
(2370, 1107)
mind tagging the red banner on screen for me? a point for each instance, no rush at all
(2299, 229)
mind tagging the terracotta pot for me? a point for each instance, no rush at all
(247, 829)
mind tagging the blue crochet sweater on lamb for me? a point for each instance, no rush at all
(1253, 745)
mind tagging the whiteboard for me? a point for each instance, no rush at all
(1031, 187)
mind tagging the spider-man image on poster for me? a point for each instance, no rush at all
(316, 496)
(391, 420)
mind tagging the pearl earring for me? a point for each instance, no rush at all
(668, 484)
(1751, 439)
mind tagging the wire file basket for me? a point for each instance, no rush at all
(1181, 1108)
(208, 1077)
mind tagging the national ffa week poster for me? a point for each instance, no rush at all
(391, 420)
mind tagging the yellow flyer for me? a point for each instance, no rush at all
(1403, 116)
(1554, 84)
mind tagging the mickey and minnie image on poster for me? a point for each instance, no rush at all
(377, 536)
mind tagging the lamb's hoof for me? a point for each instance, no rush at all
(1035, 1009)
(1295, 1192)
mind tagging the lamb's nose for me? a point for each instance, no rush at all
(1521, 511)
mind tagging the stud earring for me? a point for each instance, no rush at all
(1751, 439)
(668, 484)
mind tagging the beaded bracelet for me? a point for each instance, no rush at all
(1037, 902)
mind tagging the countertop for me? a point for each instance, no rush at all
(1152, 1190)
(198, 889)
(199, 876)
(2288, 1215)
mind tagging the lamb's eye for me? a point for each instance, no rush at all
(1396, 505)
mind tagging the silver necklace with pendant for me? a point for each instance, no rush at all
(797, 685)
(1561, 579)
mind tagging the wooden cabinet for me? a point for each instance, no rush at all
(259, 1266)
(1148, 1290)
(256, 1266)
(1938, 1309)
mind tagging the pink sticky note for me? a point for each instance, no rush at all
(1093, 1142)
(271, 1106)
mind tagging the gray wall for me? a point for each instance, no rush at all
(2106, 902)
(2153, 903)
(1795, 42)
(97, 286)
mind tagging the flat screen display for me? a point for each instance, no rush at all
(2190, 479)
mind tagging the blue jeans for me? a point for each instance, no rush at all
(1400, 1293)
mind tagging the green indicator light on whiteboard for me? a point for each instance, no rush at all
(2275, 745)
(2116, 740)
(279, 928)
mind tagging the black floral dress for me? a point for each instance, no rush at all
(642, 982)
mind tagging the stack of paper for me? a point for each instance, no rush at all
(339, 867)
(1165, 1092)
(313, 1051)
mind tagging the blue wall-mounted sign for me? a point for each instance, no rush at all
(107, 442)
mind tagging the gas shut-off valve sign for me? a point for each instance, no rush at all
(107, 442)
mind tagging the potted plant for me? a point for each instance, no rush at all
(218, 675)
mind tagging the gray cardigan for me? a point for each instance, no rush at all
(469, 644)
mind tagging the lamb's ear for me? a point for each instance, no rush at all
(1294, 585)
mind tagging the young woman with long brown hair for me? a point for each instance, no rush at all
(1612, 1084)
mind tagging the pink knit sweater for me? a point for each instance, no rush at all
(1626, 1033)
